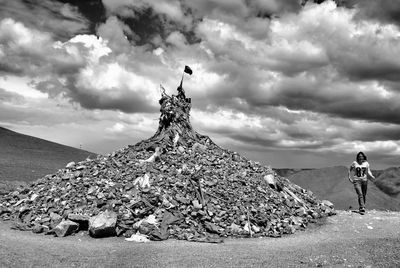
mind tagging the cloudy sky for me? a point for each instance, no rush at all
(289, 83)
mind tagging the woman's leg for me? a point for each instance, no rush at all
(364, 186)
(357, 187)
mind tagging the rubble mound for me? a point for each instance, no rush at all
(176, 184)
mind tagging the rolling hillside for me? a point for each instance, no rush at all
(389, 181)
(26, 158)
(332, 184)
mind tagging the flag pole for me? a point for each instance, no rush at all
(182, 80)
(186, 70)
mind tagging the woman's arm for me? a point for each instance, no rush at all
(370, 173)
(349, 173)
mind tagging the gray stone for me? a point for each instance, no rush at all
(55, 218)
(37, 228)
(82, 220)
(327, 203)
(78, 217)
(196, 204)
(181, 149)
(66, 227)
(70, 165)
(103, 224)
(80, 167)
(212, 228)
(235, 229)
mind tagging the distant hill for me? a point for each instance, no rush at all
(26, 158)
(286, 172)
(332, 184)
(389, 181)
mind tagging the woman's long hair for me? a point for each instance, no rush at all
(361, 153)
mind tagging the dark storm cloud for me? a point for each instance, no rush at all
(92, 10)
(386, 11)
(370, 61)
(149, 20)
(119, 99)
(125, 101)
(304, 130)
(149, 23)
(341, 101)
(302, 141)
(61, 20)
(144, 27)
(378, 133)
(243, 135)
(243, 8)
(8, 67)
(390, 72)
(246, 137)
(371, 110)
(294, 63)
(262, 141)
(238, 82)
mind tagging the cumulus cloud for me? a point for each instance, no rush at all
(358, 49)
(117, 127)
(310, 60)
(104, 83)
(78, 69)
(26, 51)
(268, 75)
(115, 31)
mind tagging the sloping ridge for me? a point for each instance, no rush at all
(26, 158)
(177, 183)
(389, 181)
(331, 183)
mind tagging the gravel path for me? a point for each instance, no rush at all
(345, 240)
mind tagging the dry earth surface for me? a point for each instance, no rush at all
(347, 239)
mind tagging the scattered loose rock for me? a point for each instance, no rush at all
(192, 188)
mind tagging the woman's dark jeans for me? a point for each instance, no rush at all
(361, 189)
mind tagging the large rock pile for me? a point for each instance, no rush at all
(176, 184)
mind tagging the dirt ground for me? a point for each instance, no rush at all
(345, 240)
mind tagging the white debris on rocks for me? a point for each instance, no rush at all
(177, 184)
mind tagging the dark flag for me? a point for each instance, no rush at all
(188, 70)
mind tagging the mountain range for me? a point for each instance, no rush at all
(24, 158)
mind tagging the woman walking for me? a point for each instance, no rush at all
(360, 169)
